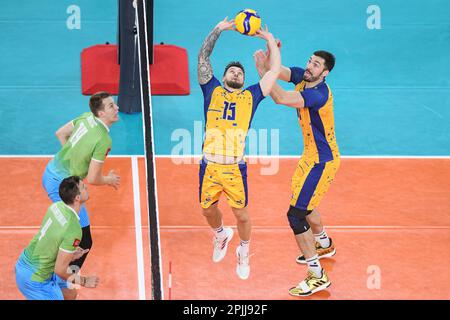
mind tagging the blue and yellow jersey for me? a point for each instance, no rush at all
(316, 119)
(228, 116)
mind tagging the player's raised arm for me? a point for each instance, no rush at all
(278, 94)
(270, 77)
(288, 98)
(204, 68)
(285, 72)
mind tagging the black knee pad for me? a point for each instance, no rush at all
(297, 220)
(86, 243)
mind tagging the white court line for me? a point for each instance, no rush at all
(262, 157)
(51, 156)
(328, 227)
(298, 156)
(138, 228)
(3, 228)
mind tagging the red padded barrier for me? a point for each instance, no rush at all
(169, 72)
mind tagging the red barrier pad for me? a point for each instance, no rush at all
(169, 72)
(99, 69)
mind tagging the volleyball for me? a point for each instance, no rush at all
(247, 22)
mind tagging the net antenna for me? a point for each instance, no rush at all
(143, 8)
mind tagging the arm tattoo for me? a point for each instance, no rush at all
(204, 67)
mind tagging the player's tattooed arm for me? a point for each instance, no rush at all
(204, 68)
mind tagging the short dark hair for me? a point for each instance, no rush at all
(234, 64)
(328, 57)
(96, 101)
(68, 189)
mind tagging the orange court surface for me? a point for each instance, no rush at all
(387, 216)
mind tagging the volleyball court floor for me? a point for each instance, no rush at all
(389, 219)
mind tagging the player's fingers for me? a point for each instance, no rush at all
(93, 282)
(258, 35)
(259, 55)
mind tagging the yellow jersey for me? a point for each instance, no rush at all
(316, 119)
(228, 116)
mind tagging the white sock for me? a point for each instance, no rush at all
(244, 247)
(314, 265)
(323, 239)
(219, 232)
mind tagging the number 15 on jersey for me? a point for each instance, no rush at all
(229, 111)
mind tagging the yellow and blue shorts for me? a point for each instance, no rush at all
(229, 178)
(311, 181)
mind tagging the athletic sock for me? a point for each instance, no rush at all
(323, 239)
(244, 247)
(219, 232)
(314, 265)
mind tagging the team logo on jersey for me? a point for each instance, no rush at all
(107, 151)
(76, 243)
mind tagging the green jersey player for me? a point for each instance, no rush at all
(85, 144)
(56, 244)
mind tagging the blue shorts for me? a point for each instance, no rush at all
(33, 290)
(51, 182)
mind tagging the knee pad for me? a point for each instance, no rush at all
(297, 220)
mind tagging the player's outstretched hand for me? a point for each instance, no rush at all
(264, 34)
(114, 179)
(91, 282)
(226, 25)
(260, 60)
